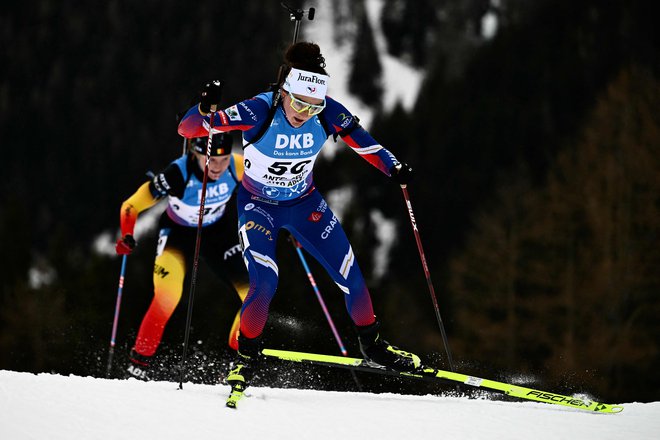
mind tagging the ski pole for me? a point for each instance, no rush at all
(427, 274)
(111, 352)
(198, 242)
(185, 146)
(312, 281)
(298, 247)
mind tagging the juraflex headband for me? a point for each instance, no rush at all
(302, 82)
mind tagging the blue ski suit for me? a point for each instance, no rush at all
(277, 191)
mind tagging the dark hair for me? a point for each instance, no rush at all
(305, 56)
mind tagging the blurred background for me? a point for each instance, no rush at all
(533, 129)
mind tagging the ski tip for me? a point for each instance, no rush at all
(616, 409)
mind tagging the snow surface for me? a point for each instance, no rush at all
(48, 406)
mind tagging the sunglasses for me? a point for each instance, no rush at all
(300, 106)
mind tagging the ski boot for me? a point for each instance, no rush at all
(380, 354)
(138, 366)
(242, 368)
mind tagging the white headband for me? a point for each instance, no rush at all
(301, 82)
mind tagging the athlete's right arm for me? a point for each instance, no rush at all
(140, 200)
(243, 116)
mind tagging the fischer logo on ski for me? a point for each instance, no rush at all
(558, 398)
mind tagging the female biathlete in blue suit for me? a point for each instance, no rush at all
(278, 192)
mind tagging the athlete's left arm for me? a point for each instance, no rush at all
(340, 121)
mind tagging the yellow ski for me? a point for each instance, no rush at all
(447, 376)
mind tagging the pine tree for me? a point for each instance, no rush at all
(563, 275)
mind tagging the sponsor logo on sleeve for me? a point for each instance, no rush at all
(249, 110)
(223, 118)
(160, 184)
(344, 120)
(233, 113)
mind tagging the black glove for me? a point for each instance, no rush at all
(125, 245)
(402, 173)
(210, 96)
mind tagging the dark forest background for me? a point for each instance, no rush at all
(536, 192)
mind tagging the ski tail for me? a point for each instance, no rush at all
(237, 391)
(236, 379)
(443, 376)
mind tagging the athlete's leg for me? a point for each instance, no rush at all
(222, 253)
(168, 277)
(319, 231)
(258, 234)
(236, 325)
(258, 229)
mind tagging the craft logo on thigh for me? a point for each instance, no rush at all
(328, 229)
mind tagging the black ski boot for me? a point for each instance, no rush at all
(379, 353)
(242, 368)
(138, 366)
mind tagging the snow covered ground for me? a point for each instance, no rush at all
(47, 406)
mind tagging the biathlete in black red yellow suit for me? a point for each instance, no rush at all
(181, 182)
(278, 192)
